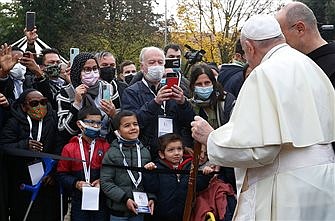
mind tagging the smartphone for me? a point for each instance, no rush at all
(30, 21)
(26, 54)
(106, 93)
(172, 63)
(172, 79)
(73, 53)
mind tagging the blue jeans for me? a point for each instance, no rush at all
(131, 218)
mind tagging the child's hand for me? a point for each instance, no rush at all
(131, 205)
(151, 205)
(96, 183)
(207, 170)
(150, 166)
(81, 184)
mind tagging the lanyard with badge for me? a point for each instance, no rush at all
(39, 130)
(90, 199)
(140, 198)
(35, 169)
(165, 123)
(86, 165)
(139, 162)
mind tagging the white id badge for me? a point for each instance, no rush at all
(141, 199)
(90, 200)
(36, 172)
(165, 125)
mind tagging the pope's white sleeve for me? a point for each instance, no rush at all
(241, 157)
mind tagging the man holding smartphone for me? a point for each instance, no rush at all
(173, 51)
(46, 76)
(107, 64)
(159, 109)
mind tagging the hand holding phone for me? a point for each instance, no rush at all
(172, 79)
(106, 93)
(26, 54)
(30, 21)
(172, 63)
(73, 53)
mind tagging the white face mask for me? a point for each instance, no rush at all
(18, 71)
(155, 73)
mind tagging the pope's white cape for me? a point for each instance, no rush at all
(280, 102)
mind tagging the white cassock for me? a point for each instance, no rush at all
(278, 139)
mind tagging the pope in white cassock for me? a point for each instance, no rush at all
(280, 132)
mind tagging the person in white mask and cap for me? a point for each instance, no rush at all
(160, 109)
(280, 132)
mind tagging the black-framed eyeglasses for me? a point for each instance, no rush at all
(35, 103)
(88, 70)
(93, 123)
(292, 26)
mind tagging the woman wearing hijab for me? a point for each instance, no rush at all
(85, 89)
(33, 126)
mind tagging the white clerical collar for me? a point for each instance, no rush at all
(272, 51)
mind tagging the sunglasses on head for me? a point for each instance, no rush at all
(34, 103)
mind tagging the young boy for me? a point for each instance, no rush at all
(75, 176)
(171, 189)
(121, 186)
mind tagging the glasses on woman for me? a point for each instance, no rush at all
(88, 70)
(35, 103)
(93, 123)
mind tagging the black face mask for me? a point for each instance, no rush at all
(128, 78)
(107, 73)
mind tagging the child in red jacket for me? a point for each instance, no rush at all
(81, 177)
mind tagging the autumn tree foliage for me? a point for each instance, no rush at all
(214, 25)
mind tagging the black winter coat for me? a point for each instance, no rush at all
(171, 190)
(15, 134)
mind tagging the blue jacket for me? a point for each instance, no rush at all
(139, 99)
(231, 77)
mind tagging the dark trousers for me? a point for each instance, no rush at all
(77, 214)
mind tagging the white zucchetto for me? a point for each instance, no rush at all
(261, 27)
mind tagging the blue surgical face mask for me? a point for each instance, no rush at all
(203, 93)
(155, 73)
(90, 132)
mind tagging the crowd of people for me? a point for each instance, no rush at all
(125, 137)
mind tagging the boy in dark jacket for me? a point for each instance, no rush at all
(171, 189)
(76, 175)
(122, 186)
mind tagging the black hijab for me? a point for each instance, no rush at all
(77, 67)
(75, 75)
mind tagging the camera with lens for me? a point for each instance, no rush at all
(193, 56)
